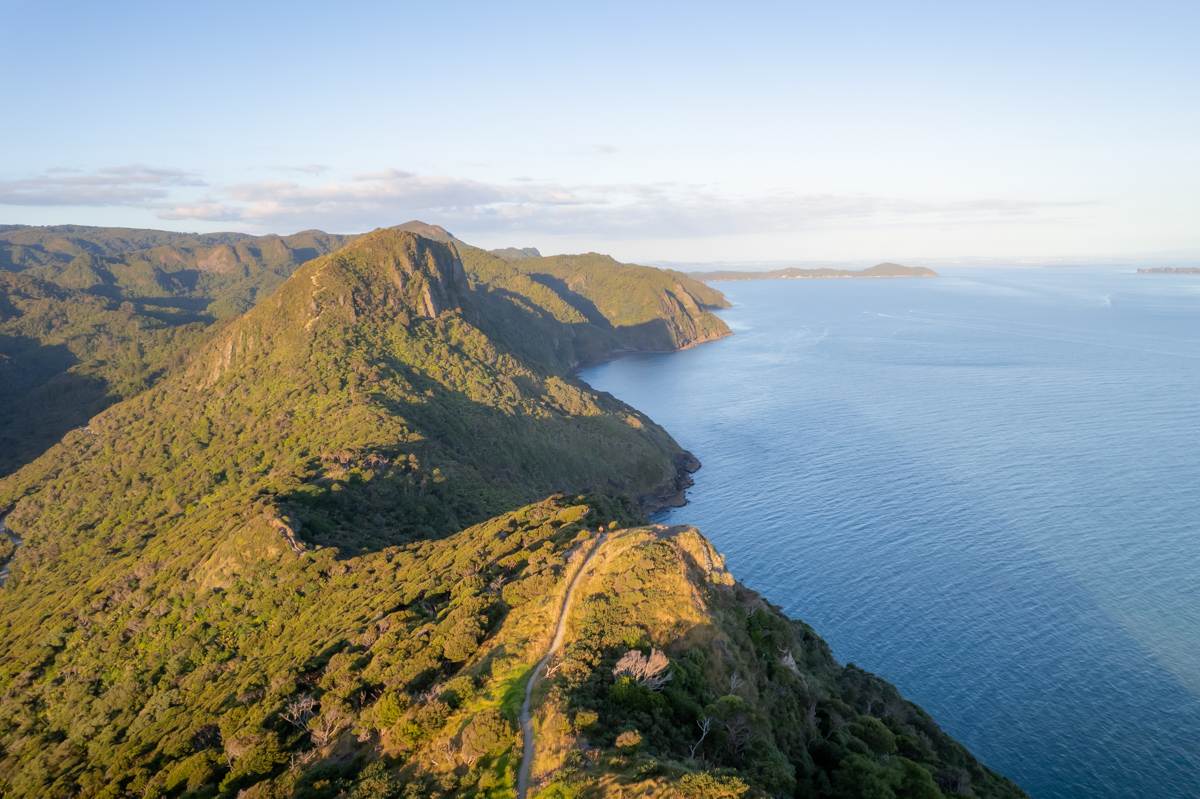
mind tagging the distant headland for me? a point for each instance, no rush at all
(884, 270)
(1164, 270)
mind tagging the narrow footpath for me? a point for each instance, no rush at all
(527, 745)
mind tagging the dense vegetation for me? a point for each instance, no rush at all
(594, 307)
(216, 274)
(319, 556)
(66, 354)
(90, 316)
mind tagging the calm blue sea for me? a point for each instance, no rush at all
(985, 488)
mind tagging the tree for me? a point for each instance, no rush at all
(705, 724)
(299, 711)
(649, 671)
(325, 727)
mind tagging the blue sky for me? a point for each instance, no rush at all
(664, 131)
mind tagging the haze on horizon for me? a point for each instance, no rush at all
(682, 132)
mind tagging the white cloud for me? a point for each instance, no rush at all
(130, 185)
(523, 207)
(204, 210)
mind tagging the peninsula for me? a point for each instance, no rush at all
(370, 537)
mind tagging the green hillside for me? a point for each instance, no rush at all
(213, 274)
(90, 316)
(590, 306)
(66, 354)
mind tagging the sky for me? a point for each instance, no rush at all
(684, 132)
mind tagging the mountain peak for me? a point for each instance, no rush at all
(385, 276)
(429, 231)
(412, 269)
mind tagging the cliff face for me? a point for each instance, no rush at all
(589, 307)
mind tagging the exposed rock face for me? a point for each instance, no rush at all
(673, 494)
(222, 259)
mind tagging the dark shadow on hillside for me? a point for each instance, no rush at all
(470, 462)
(176, 310)
(304, 254)
(526, 331)
(576, 301)
(192, 305)
(40, 399)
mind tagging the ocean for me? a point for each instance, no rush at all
(983, 487)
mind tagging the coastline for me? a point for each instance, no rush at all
(613, 355)
(673, 492)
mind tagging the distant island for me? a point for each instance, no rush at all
(1161, 270)
(888, 270)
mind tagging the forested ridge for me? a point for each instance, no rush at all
(318, 548)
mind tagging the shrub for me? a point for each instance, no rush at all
(585, 719)
(388, 710)
(629, 740)
(706, 785)
(375, 782)
(487, 732)
(875, 734)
